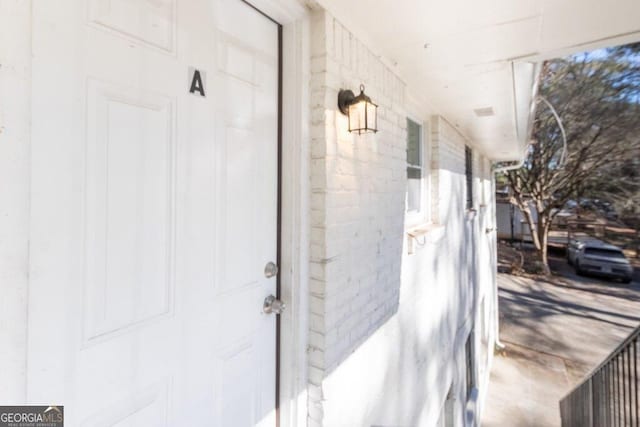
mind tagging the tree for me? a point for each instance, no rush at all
(619, 184)
(597, 96)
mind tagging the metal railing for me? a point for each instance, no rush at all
(609, 394)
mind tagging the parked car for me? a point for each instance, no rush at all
(592, 256)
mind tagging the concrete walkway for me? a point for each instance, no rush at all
(555, 332)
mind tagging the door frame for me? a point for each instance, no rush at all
(293, 17)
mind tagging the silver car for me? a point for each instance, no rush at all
(592, 256)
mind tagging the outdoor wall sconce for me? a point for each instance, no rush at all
(362, 113)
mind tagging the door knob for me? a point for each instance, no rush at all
(273, 305)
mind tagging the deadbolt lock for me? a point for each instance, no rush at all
(270, 270)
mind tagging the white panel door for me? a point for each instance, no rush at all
(153, 212)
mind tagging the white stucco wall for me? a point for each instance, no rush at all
(388, 328)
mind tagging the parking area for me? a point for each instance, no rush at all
(555, 331)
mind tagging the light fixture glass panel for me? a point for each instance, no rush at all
(356, 116)
(372, 117)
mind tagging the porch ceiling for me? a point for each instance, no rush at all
(458, 56)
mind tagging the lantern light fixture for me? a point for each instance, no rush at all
(362, 113)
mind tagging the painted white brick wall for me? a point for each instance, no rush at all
(355, 266)
(387, 329)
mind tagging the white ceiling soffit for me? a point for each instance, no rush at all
(464, 56)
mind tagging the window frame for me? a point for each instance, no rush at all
(422, 214)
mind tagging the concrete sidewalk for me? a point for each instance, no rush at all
(555, 331)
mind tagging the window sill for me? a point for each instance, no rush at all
(422, 234)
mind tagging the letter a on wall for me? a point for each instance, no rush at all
(197, 81)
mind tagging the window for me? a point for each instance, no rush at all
(417, 196)
(468, 171)
(468, 349)
(415, 168)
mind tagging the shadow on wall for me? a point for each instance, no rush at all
(389, 333)
(421, 366)
(364, 225)
(416, 355)
(452, 294)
